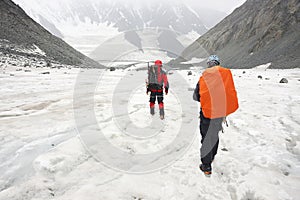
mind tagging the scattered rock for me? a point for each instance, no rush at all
(18, 70)
(244, 72)
(48, 64)
(259, 76)
(45, 73)
(283, 80)
(27, 70)
(267, 79)
(190, 73)
(137, 198)
(286, 173)
(288, 139)
(11, 75)
(112, 69)
(224, 149)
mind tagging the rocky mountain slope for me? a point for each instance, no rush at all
(19, 30)
(256, 33)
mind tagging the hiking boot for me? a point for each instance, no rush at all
(206, 169)
(152, 111)
(162, 113)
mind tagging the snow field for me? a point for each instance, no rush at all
(43, 158)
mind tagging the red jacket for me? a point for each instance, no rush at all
(157, 79)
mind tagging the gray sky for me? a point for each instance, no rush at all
(226, 6)
(222, 5)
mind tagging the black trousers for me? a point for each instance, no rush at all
(209, 129)
(158, 95)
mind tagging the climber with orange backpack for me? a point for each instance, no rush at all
(156, 82)
(218, 98)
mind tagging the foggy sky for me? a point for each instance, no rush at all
(226, 6)
(222, 5)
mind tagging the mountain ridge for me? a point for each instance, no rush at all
(18, 28)
(75, 21)
(258, 32)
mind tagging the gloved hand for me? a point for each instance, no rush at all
(166, 91)
(147, 91)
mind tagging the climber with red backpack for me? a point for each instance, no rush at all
(157, 81)
(218, 98)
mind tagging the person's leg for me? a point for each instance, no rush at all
(205, 150)
(215, 150)
(204, 156)
(210, 138)
(209, 129)
(152, 102)
(160, 99)
(204, 124)
(217, 127)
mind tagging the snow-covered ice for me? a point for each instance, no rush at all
(42, 157)
(193, 61)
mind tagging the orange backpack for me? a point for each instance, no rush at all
(218, 97)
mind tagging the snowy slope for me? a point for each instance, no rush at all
(86, 24)
(152, 44)
(42, 157)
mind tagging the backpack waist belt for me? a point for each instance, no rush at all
(156, 90)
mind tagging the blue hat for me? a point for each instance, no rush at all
(213, 58)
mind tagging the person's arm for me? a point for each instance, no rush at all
(196, 95)
(147, 85)
(166, 82)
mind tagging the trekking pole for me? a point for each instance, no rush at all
(147, 80)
